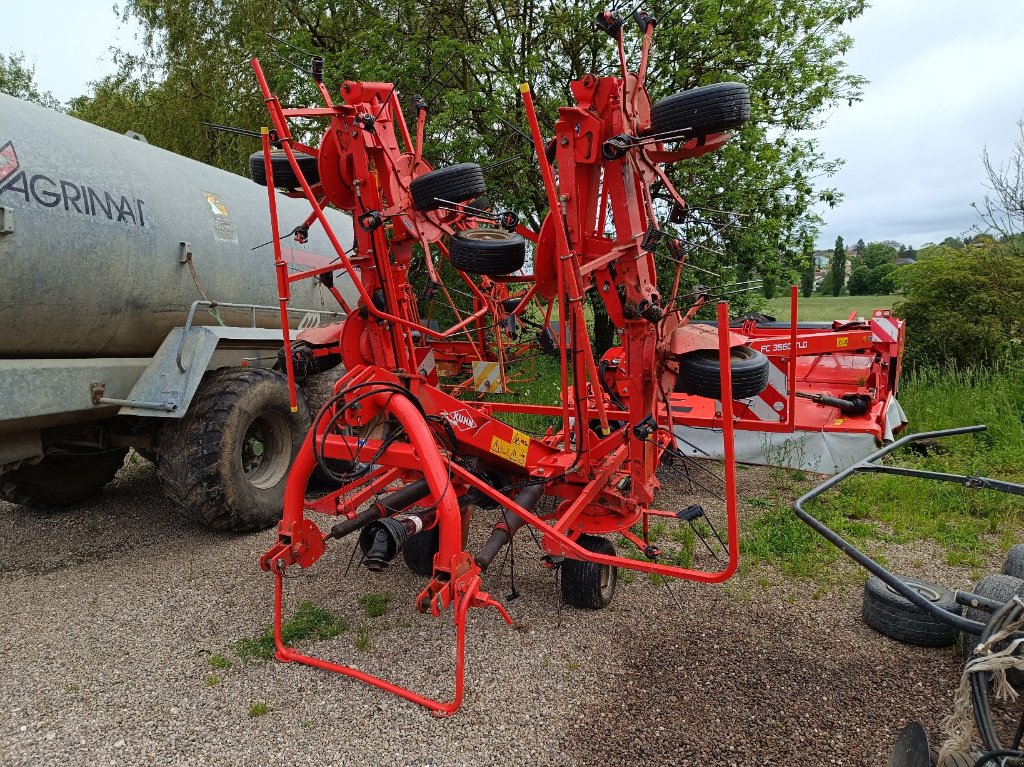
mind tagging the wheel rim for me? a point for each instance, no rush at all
(266, 450)
(486, 234)
(928, 593)
(608, 576)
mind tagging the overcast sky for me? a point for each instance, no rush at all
(946, 81)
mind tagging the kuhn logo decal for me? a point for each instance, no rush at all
(460, 419)
(84, 199)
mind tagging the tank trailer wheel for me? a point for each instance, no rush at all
(890, 614)
(701, 374)
(588, 585)
(439, 188)
(61, 479)
(701, 111)
(284, 176)
(487, 251)
(225, 464)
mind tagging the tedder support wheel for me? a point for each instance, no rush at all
(587, 584)
(225, 463)
(889, 613)
(1014, 562)
(701, 111)
(284, 176)
(456, 183)
(419, 551)
(999, 588)
(700, 373)
(487, 251)
(61, 479)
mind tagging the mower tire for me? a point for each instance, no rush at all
(999, 588)
(701, 111)
(456, 183)
(225, 464)
(588, 585)
(701, 374)
(891, 614)
(955, 759)
(284, 176)
(419, 551)
(487, 251)
(1014, 562)
(61, 479)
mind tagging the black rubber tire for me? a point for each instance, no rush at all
(200, 460)
(487, 251)
(1014, 562)
(700, 373)
(889, 613)
(999, 588)
(61, 479)
(456, 183)
(588, 585)
(419, 551)
(955, 759)
(701, 111)
(284, 176)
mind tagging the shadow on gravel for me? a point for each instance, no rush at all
(130, 516)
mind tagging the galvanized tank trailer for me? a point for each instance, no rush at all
(135, 313)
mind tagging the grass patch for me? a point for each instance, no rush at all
(363, 642)
(219, 662)
(213, 680)
(820, 308)
(308, 622)
(258, 709)
(967, 524)
(375, 604)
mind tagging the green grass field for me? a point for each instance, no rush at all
(823, 308)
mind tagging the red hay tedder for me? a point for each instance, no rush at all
(408, 456)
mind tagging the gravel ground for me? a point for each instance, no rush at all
(112, 612)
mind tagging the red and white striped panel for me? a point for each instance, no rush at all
(884, 327)
(770, 405)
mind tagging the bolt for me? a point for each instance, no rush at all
(606, 287)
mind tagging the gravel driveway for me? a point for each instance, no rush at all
(112, 612)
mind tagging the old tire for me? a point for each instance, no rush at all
(999, 588)
(456, 183)
(419, 551)
(487, 251)
(701, 111)
(225, 464)
(891, 614)
(700, 373)
(61, 479)
(588, 585)
(284, 176)
(1014, 562)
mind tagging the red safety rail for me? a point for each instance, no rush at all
(390, 423)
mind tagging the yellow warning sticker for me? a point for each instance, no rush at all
(514, 451)
(842, 341)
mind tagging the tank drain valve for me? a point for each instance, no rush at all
(98, 399)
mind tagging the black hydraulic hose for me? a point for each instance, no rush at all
(892, 581)
(1008, 613)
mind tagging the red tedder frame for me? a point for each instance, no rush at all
(398, 432)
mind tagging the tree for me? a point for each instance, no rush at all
(18, 79)
(837, 267)
(1002, 210)
(963, 306)
(807, 269)
(859, 247)
(194, 66)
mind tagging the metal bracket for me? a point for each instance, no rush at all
(184, 252)
(6, 220)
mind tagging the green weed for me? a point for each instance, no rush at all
(375, 604)
(258, 709)
(308, 622)
(219, 661)
(363, 642)
(213, 680)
